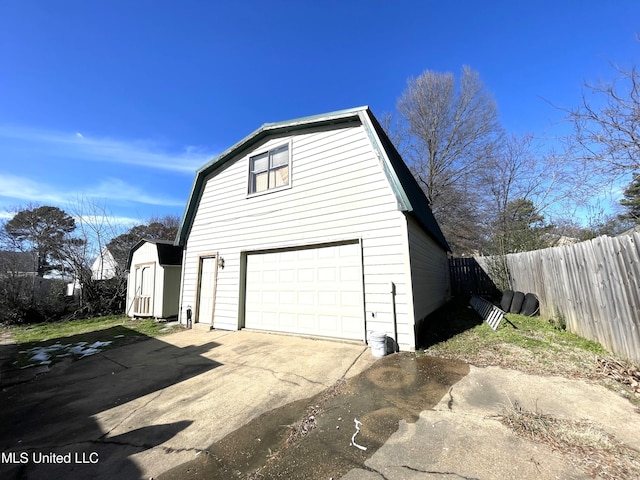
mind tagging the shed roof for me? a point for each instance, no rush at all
(409, 195)
(168, 253)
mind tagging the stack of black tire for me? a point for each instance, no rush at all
(518, 302)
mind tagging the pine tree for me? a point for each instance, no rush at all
(631, 201)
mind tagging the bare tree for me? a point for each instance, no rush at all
(452, 128)
(96, 228)
(607, 124)
(99, 293)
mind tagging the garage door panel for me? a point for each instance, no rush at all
(287, 298)
(270, 297)
(315, 291)
(269, 319)
(306, 322)
(329, 322)
(349, 274)
(348, 324)
(350, 299)
(304, 254)
(327, 298)
(306, 299)
(269, 276)
(287, 320)
(327, 274)
(287, 275)
(306, 275)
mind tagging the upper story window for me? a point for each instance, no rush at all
(269, 170)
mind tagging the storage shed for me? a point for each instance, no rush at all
(155, 268)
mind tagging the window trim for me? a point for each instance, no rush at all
(268, 153)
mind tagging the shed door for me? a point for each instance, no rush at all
(206, 289)
(143, 300)
(311, 291)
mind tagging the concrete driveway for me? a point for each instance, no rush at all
(139, 410)
(462, 437)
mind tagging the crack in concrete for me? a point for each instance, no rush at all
(117, 363)
(436, 472)
(276, 374)
(373, 470)
(450, 402)
(353, 363)
(133, 412)
(158, 394)
(145, 446)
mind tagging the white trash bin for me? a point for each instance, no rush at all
(378, 343)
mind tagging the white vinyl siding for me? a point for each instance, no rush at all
(338, 193)
(429, 272)
(171, 290)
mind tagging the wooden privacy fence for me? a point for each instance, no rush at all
(469, 278)
(594, 286)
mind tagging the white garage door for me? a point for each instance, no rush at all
(312, 291)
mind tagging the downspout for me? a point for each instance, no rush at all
(184, 262)
(392, 291)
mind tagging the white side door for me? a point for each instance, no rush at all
(206, 289)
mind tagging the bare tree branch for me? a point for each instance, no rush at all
(606, 125)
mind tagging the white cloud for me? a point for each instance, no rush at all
(79, 146)
(116, 189)
(25, 189)
(112, 219)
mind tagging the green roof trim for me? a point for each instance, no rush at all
(408, 193)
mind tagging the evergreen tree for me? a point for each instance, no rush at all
(519, 228)
(42, 231)
(631, 201)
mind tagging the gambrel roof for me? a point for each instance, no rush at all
(168, 253)
(409, 195)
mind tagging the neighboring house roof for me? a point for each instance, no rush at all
(631, 231)
(409, 195)
(17, 262)
(105, 266)
(563, 240)
(168, 253)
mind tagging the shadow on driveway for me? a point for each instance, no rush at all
(48, 427)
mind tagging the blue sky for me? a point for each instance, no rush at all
(120, 101)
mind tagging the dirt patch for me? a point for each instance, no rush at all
(288, 443)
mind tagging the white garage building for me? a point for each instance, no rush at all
(313, 226)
